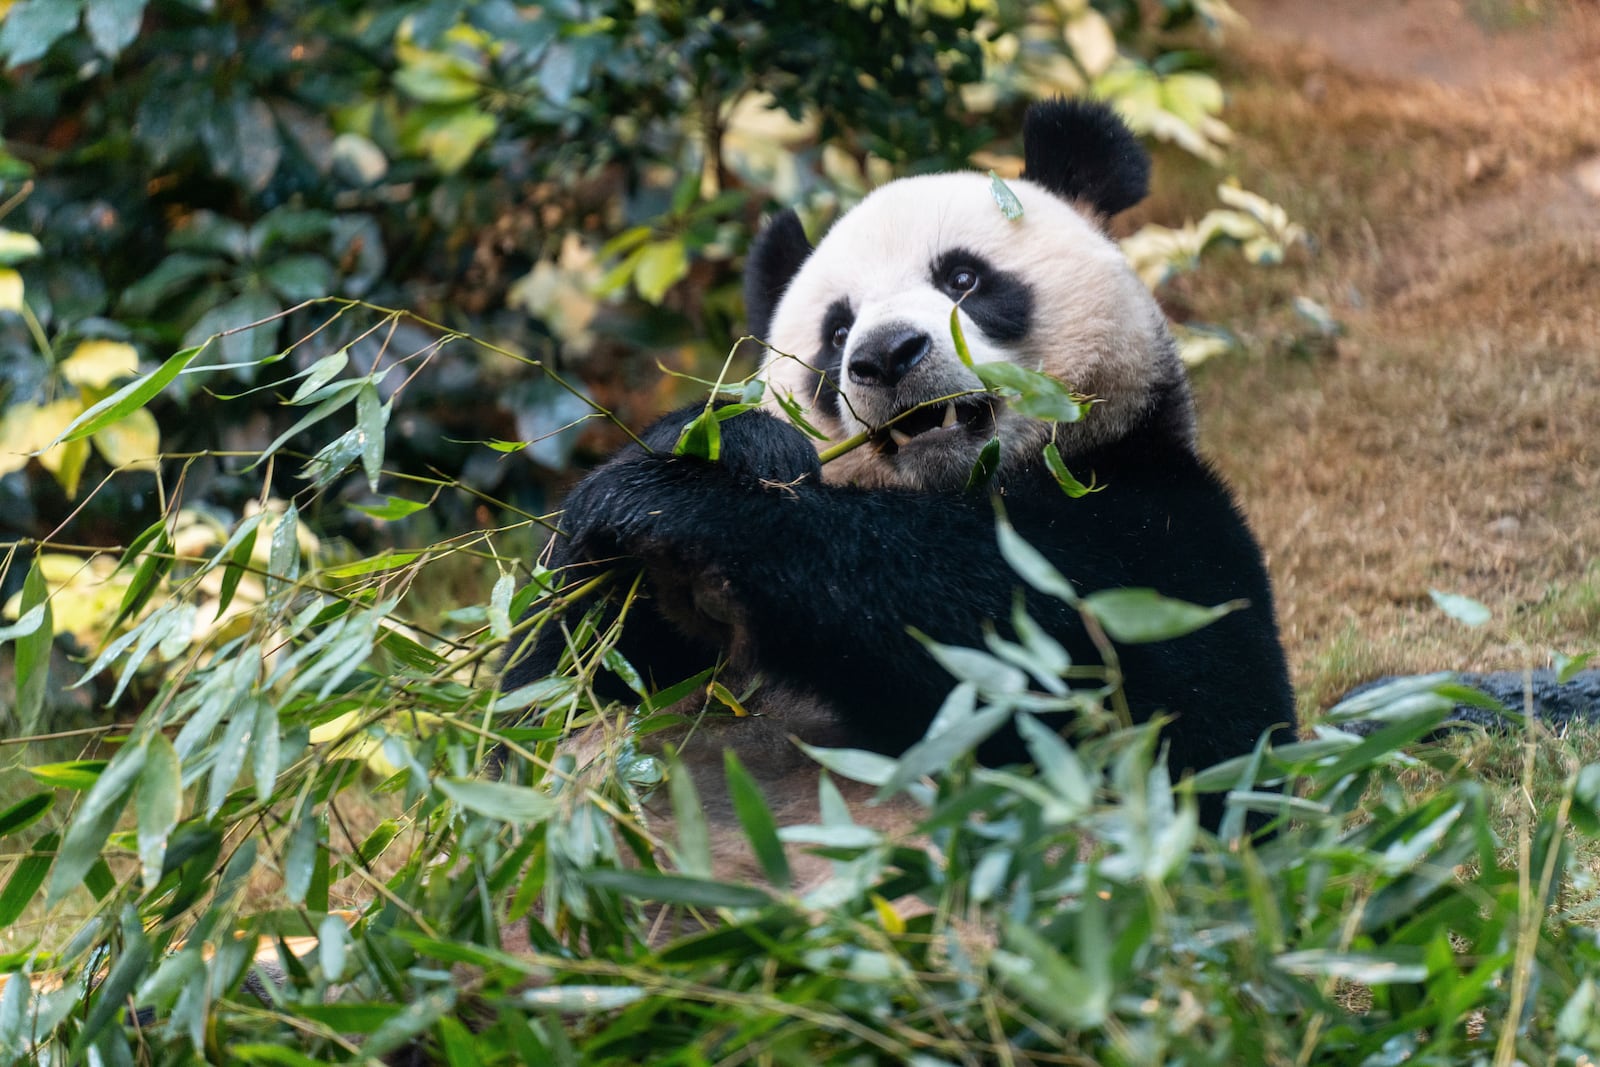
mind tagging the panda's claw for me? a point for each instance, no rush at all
(899, 437)
(949, 416)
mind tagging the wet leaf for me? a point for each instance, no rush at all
(1010, 206)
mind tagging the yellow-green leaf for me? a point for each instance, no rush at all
(131, 443)
(16, 247)
(96, 364)
(660, 267)
(10, 290)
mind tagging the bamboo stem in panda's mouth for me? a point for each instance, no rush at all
(949, 415)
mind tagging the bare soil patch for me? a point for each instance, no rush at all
(1449, 167)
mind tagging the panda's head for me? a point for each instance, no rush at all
(859, 327)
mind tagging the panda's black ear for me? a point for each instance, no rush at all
(774, 260)
(1081, 150)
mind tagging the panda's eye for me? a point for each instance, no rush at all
(961, 280)
(840, 336)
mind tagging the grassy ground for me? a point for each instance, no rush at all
(1450, 439)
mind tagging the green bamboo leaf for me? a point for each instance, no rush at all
(300, 856)
(959, 337)
(1033, 394)
(500, 607)
(94, 818)
(384, 561)
(332, 939)
(675, 889)
(26, 878)
(268, 742)
(158, 802)
(1058, 469)
(320, 373)
(499, 800)
(14, 1001)
(394, 507)
(136, 394)
(796, 415)
(1030, 564)
(29, 623)
(1054, 986)
(1463, 609)
(1058, 764)
(660, 266)
(1010, 206)
(32, 659)
(1142, 616)
(25, 812)
(283, 559)
(701, 437)
(229, 757)
(583, 999)
(1567, 667)
(372, 419)
(112, 995)
(983, 468)
(238, 563)
(694, 837)
(756, 818)
(73, 774)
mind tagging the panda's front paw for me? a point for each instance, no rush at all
(759, 445)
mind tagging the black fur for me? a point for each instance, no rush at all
(775, 258)
(1081, 150)
(826, 580)
(1002, 303)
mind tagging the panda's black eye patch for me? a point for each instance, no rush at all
(836, 323)
(1000, 302)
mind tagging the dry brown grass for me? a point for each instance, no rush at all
(1451, 438)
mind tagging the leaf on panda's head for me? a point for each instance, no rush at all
(1010, 206)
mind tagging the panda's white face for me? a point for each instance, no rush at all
(862, 332)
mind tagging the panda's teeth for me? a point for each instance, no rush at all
(949, 416)
(899, 437)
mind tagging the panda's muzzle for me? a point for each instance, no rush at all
(887, 354)
(967, 416)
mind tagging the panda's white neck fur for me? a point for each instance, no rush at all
(1093, 325)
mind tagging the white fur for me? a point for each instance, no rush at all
(1095, 327)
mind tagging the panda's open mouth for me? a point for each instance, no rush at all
(936, 422)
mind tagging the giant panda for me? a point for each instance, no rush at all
(805, 581)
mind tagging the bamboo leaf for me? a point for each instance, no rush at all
(131, 397)
(158, 803)
(756, 818)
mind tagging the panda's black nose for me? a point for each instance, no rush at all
(887, 354)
